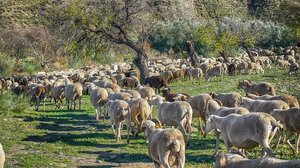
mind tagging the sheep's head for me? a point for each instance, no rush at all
(155, 100)
(244, 83)
(209, 125)
(148, 127)
(278, 114)
(223, 159)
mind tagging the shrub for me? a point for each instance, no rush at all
(13, 103)
(6, 65)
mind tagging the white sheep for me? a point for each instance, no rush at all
(266, 106)
(166, 147)
(199, 104)
(57, 93)
(215, 71)
(146, 92)
(214, 108)
(72, 93)
(232, 160)
(178, 113)
(2, 156)
(257, 88)
(98, 97)
(245, 131)
(119, 111)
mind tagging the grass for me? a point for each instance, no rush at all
(61, 138)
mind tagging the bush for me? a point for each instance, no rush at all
(13, 103)
(6, 65)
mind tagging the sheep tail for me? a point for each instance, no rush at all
(175, 145)
(274, 123)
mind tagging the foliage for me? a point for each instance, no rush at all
(6, 65)
(29, 65)
(172, 35)
(12, 103)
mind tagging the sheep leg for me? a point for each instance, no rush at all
(181, 128)
(113, 129)
(44, 103)
(97, 115)
(118, 132)
(181, 159)
(37, 103)
(74, 103)
(156, 164)
(266, 149)
(278, 138)
(200, 128)
(68, 105)
(217, 135)
(128, 129)
(164, 160)
(273, 134)
(297, 143)
(79, 103)
(288, 135)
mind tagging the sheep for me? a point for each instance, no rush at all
(177, 113)
(257, 88)
(255, 67)
(244, 131)
(146, 92)
(72, 93)
(232, 69)
(290, 119)
(131, 82)
(166, 147)
(140, 112)
(199, 104)
(215, 71)
(214, 108)
(38, 93)
(2, 156)
(134, 93)
(178, 74)
(228, 99)
(289, 99)
(194, 73)
(266, 106)
(114, 87)
(232, 160)
(294, 67)
(167, 75)
(57, 93)
(172, 97)
(242, 67)
(98, 97)
(156, 82)
(120, 96)
(119, 111)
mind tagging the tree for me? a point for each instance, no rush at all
(122, 22)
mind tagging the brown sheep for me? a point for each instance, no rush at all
(289, 99)
(157, 82)
(228, 99)
(290, 119)
(257, 88)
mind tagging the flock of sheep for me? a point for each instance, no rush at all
(242, 122)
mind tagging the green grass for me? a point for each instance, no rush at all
(61, 138)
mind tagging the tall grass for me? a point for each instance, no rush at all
(13, 103)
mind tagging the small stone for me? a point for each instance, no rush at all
(98, 161)
(112, 156)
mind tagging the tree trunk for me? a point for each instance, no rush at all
(194, 61)
(250, 55)
(223, 54)
(142, 64)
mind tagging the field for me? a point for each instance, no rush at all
(62, 138)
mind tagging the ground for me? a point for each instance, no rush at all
(62, 138)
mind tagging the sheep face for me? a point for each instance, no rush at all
(209, 126)
(148, 126)
(278, 114)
